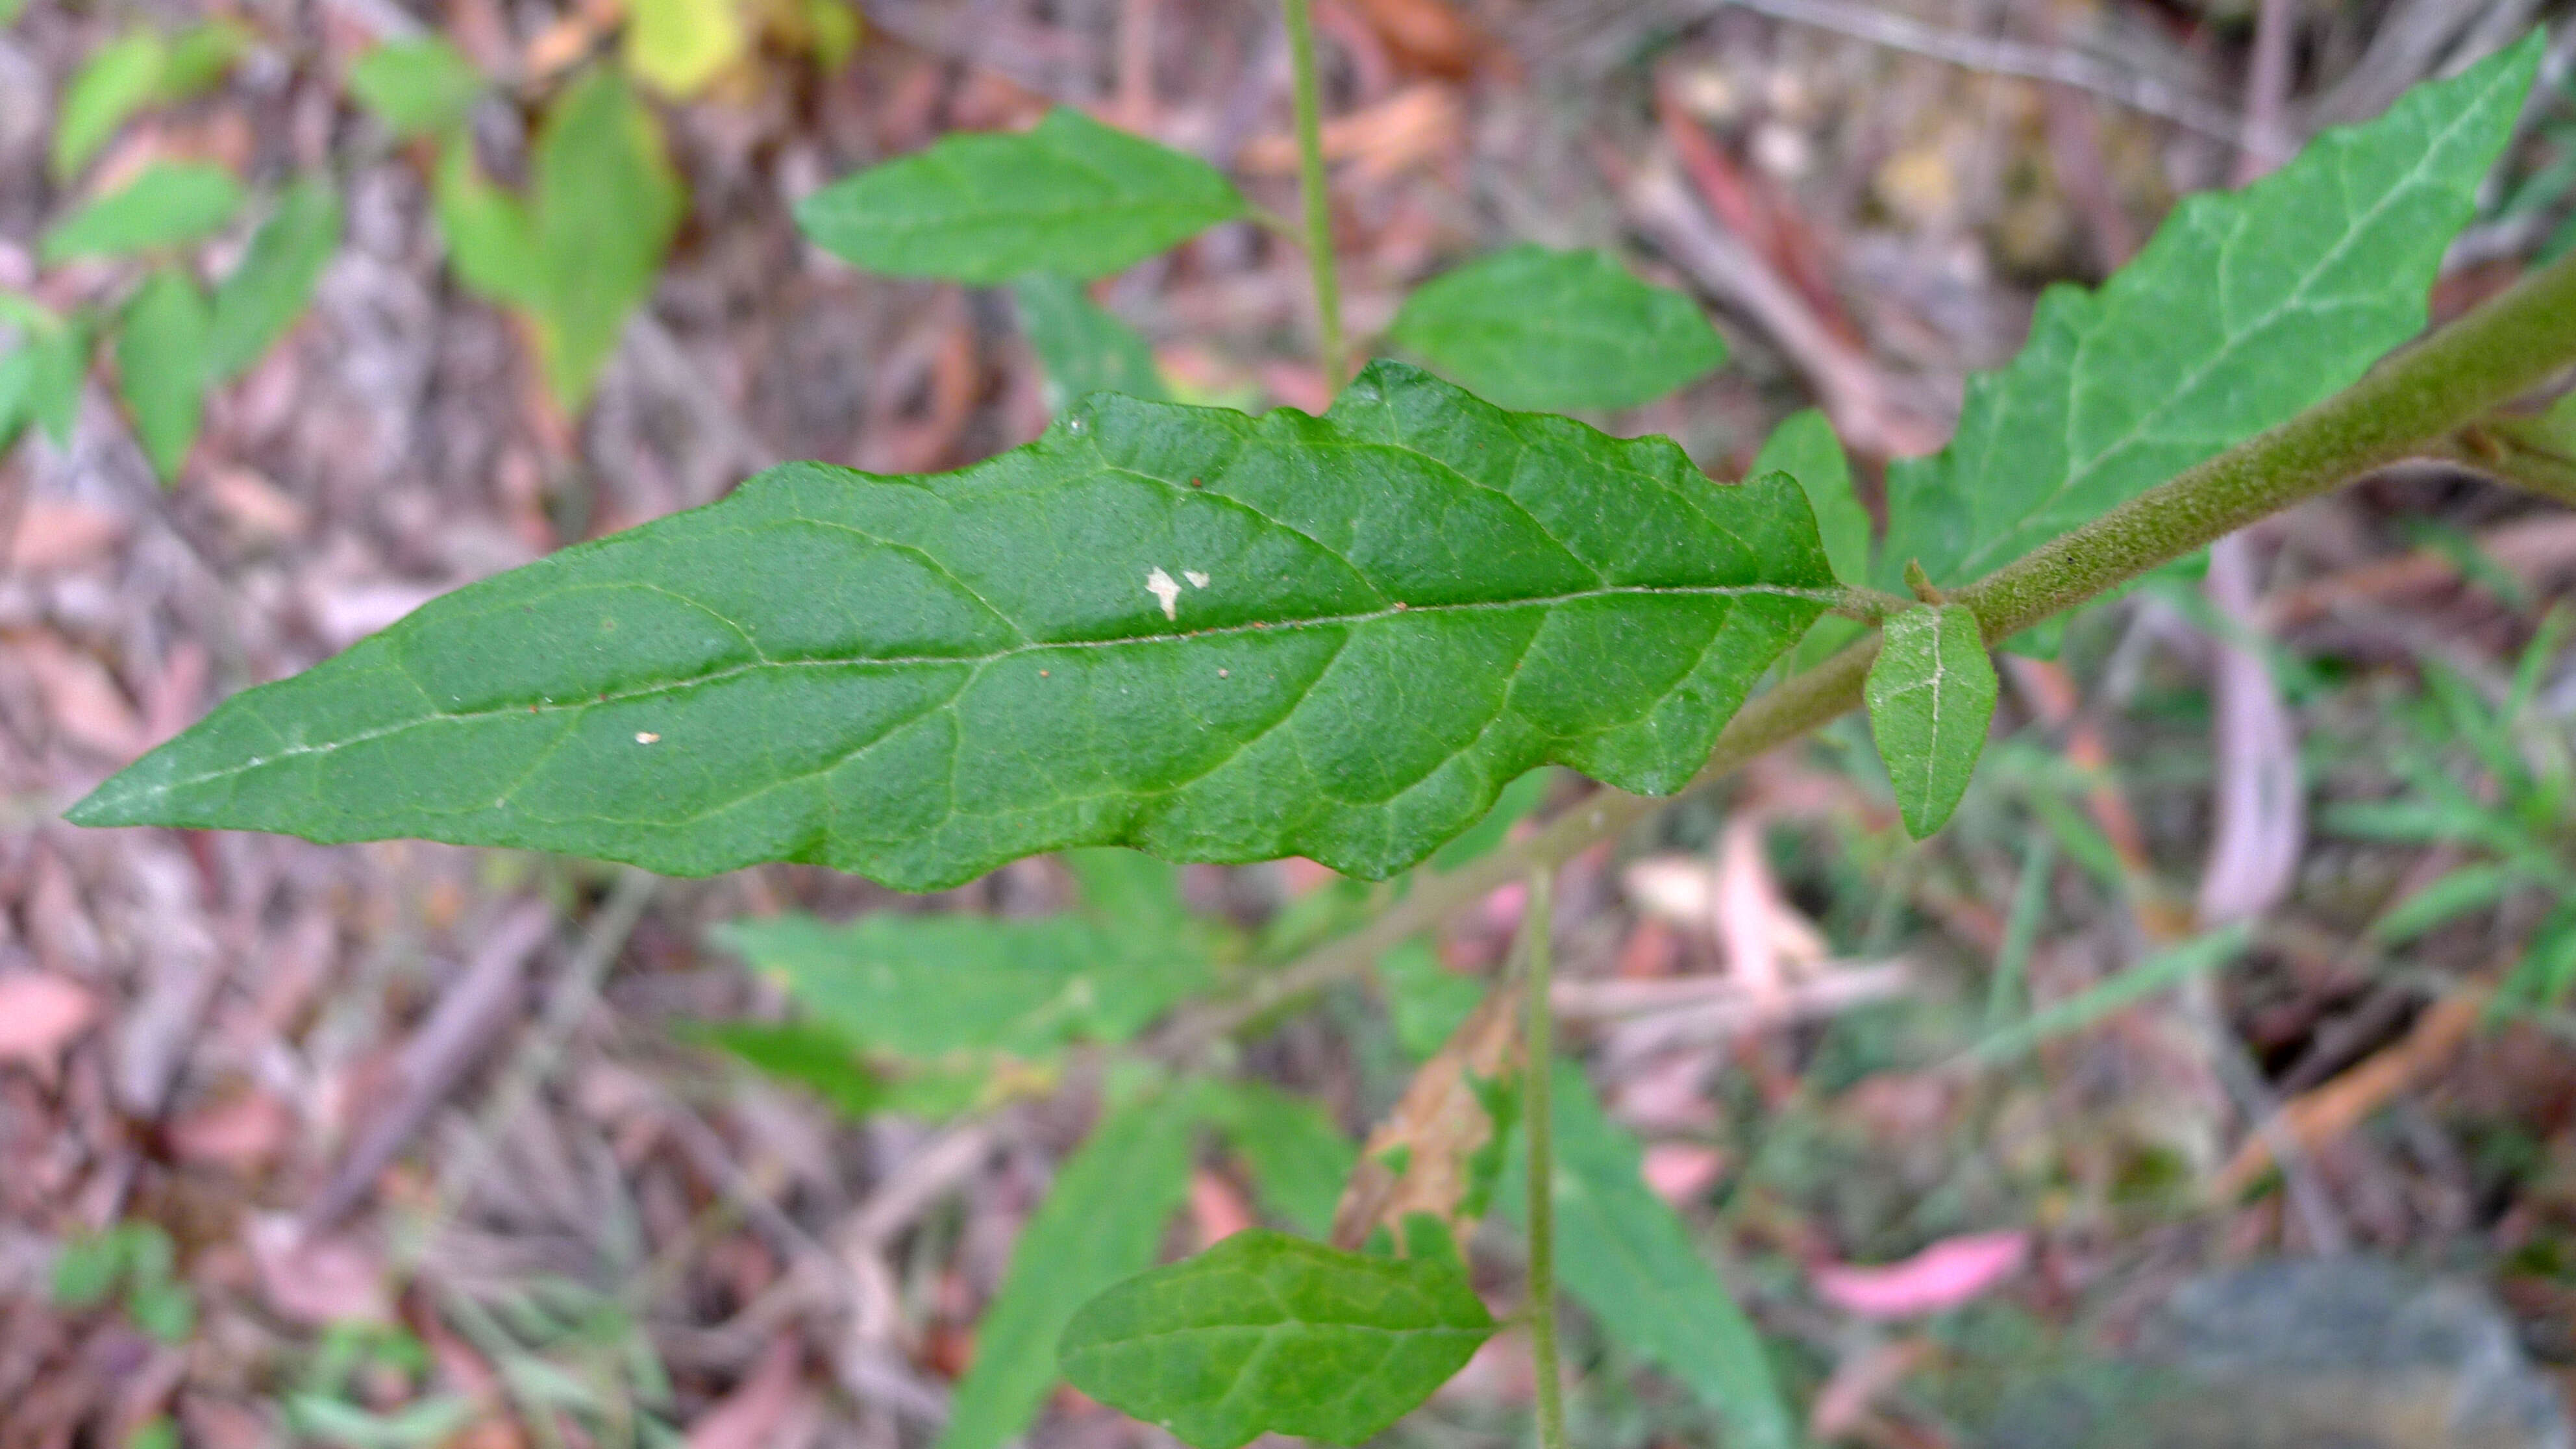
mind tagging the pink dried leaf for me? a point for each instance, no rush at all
(40, 1014)
(1941, 1277)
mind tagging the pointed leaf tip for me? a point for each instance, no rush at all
(1406, 604)
(2244, 309)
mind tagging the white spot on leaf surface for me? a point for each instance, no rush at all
(1197, 580)
(645, 737)
(1166, 590)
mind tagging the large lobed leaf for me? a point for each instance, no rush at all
(1212, 636)
(1070, 196)
(1534, 328)
(1269, 1333)
(2245, 309)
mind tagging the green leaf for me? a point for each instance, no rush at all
(1805, 448)
(434, 1419)
(1299, 1156)
(1931, 696)
(1427, 1000)
(1534, 328)
(2125, 988)
(1405, 604)
(926, 986)
(1071, 196)
(163, 1309)
(158, 1432)
(2244, 309)
(606, 206)
(87, 1269)
(1265, 1333)
(265, 295)
(171, 203)
(678, 46)
(1623, 1252)
(812, 1057)
(161, 346)
(9, 12)
(198, 59)
(491, 243)
(2457, 893)
(58, 363)
(1132, 893)
(17, 377)
(149, 1254)
(2542, 978)
(417, 87)
(121, 78)
(1101, 1222)
(832, 30)
(1511, 807)
(1082, 345)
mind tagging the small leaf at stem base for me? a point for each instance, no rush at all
(1931, 695)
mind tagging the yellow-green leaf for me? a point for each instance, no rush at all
(123, 77)
(677, 46)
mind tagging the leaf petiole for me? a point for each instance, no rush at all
(1310, 173)
(1540, 1053)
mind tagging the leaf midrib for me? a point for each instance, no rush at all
(1334, 621)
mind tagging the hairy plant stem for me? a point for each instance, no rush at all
(2509, 345)
(1537, 1115)
(1310, 176)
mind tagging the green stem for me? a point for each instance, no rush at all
(2508, 346)
(1310, 175)
(1538, 1115)
(2454, 377)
